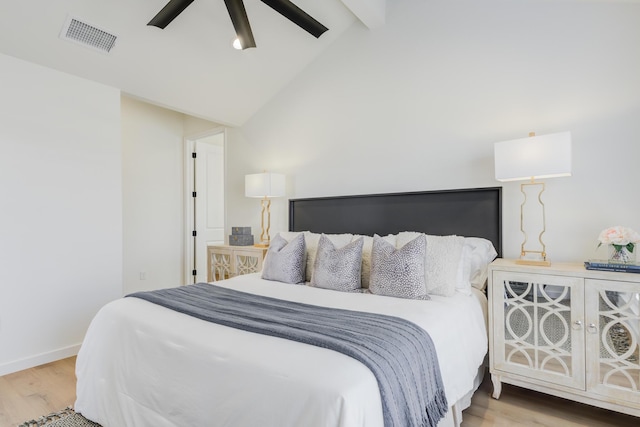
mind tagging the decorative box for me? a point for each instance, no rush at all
(241, 231)
(240, 240)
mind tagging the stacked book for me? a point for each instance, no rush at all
(605, 265)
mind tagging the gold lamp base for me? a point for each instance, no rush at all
(265, 238)
(540, 263)
(541, 258)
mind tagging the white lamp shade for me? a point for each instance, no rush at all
(545, 156)
(264, 185)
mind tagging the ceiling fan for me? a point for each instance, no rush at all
(240, 20)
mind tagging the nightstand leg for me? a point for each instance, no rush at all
(497, 386)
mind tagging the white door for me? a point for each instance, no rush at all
(206, 211)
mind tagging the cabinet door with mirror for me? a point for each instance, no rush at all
(539, 327)
(613, 328)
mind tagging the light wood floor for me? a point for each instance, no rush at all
(28, 394)
(48, 388)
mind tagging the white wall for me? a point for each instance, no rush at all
(83, 174)
(60, 210)
(417, 105)
(153, 193)
(152, 196)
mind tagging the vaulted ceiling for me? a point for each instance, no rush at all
(190, 66)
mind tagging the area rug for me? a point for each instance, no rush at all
(65, 418)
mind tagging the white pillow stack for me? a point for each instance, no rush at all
(481, 254)
(452, 263)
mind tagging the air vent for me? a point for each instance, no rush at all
(87, 35)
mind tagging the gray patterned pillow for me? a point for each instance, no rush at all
(337, 269)
(285, 262)
(398, 272)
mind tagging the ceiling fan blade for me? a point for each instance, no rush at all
(169, 13)
(241, 23)
(296, 15)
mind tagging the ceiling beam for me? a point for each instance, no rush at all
(371, 13)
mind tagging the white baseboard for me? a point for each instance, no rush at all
(39, 359)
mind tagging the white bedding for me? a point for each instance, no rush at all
(144, 365)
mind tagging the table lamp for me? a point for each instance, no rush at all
(535, 157)
(265, 186)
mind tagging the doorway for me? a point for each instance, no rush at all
(205, 208)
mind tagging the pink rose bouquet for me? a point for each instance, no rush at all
(619, 237)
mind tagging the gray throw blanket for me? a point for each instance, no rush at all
(400, 354)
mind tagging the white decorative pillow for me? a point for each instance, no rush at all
(312, 239)
(441, 264)
(443, 255)
(482, 253)
(338, 268)
(398, 272)
(463, 284)
(285, 262)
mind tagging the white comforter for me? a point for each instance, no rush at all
(144, 365)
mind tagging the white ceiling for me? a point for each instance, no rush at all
(190, 66)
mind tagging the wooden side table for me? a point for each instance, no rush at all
(226, 261)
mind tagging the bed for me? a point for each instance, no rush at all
(142, 364)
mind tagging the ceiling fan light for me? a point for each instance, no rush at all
(240, 21)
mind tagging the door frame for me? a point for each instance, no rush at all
(188, 149)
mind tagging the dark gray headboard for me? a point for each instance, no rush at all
(473, 212)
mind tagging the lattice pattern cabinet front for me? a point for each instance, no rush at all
(613, 323)
(566, 331)
(226, 261)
